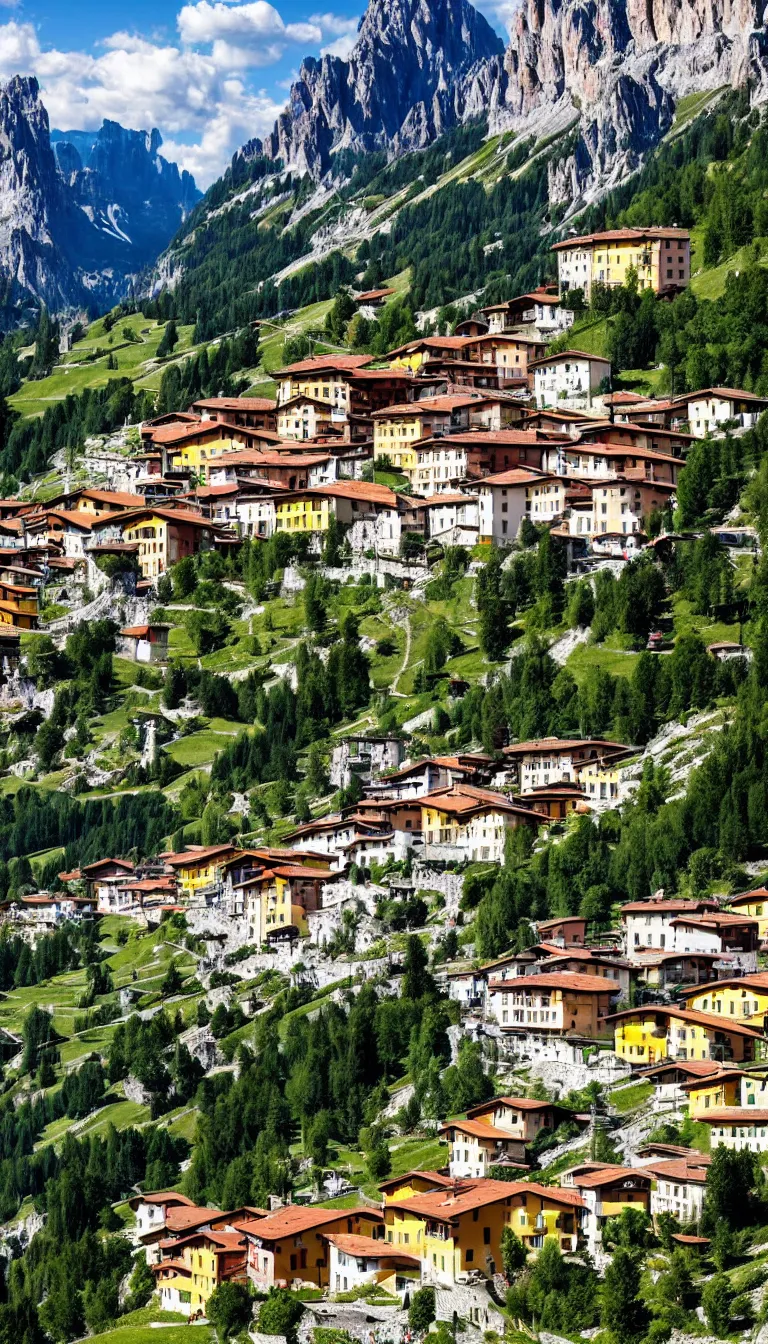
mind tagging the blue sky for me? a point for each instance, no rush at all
(210, 74)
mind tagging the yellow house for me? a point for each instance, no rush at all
(472, 821)
(278, 899)
(197, 457)
(741, 1000)
(321, 377)
(458, 1231)
(302, 513)
(704, 1094)
(164, 536)
(600, 778)
(654, 1033)
(198, 866)
(755, 904)
(414, 1183)
(661, 257)
(397, 428)
(192, 1268)
(292, 1242)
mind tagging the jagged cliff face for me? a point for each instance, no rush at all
(617, 68)
(611, 70)
(80, 213)
(399, 89)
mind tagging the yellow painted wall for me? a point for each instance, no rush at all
(393, 437)
(706, 1096)
(756, 909)
(152, 536)
(302, 515)
(739, 1003)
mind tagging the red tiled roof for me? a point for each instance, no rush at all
(565, 980)
(735, 1115)
(297, 1218)
(370, 1247)
(428, 405)
(679, 1169)
(593, 1179)
(366, 491)
(621, 236)
(236, 404)
(319, 363)
(711, 1020)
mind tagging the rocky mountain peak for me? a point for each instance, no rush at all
(80, 212)
(397, 90)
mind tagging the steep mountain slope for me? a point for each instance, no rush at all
(79, 214)
(575, 104)
(400, 88)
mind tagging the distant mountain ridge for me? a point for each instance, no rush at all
(81, 213)
(611, 71)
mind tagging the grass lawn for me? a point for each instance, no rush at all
(199, 748)
(79, 370)
(688, 622)
(627, 1098)
(608, 656)
(147, 1334)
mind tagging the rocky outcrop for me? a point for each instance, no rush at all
(615, 69)
(610, 71)
(400, 88)
(80, 213)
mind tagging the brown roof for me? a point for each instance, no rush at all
(567, 354)
(736, 1115)
(424, 407)
(711, 1020)
(565, 980)
(179, 1219)
(236, 404)
(462, 1198)
(561, 744)
(437, 1178)
(463, 799)
(667, 907)
(621, 236)
(515, 476)
(319, 363)
(374, 294)
(691, 1172)
(192, 856)
(519, 1103)
(727, 393)
(297, 1218)
(372, 1247)
(366, 491)
(591, 1180)
(477, 1128)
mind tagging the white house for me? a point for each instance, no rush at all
(355, 1261)
(679, 1186)
(713, 407)
(649, 924)
(571, 376)
(738, 1127)
(503, 503)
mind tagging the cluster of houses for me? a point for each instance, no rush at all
(486, 426)
(431, 1227)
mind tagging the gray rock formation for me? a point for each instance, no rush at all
(80, 213)
(400, 88)
(609, 70)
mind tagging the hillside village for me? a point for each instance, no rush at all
(385, 906)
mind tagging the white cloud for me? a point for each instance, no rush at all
(242, 36)
(341, 46)
(196, 89)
